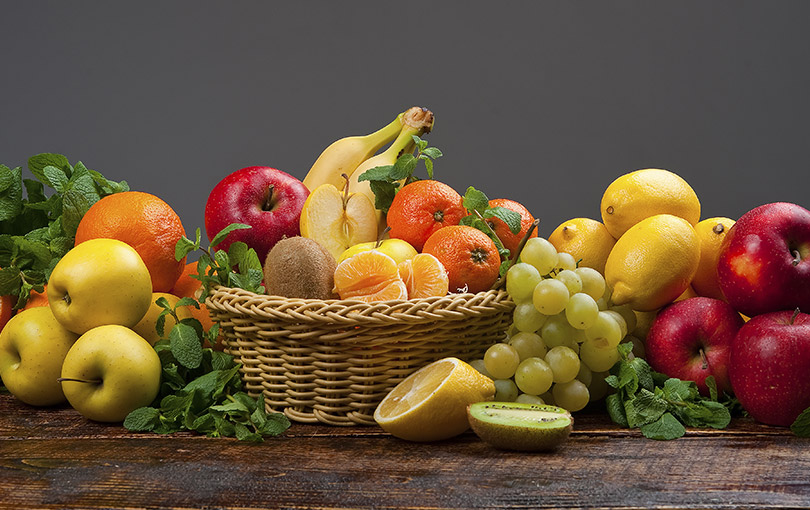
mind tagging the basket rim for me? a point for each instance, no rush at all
(233, 301)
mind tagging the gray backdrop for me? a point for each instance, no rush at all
(542, 102)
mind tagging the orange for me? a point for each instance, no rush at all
(424, 276)
(369, 276)
(36, 299)
(7, 303)
(186, 286)
(510, 240)
(711, 232)
(587, 240)
(421, 208)
(144, 222)
(469, 255)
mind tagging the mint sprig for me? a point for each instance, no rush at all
(801, 426)
(201, 390)
(37, 227)
(660, 406)
(386, 180)
(476, 203)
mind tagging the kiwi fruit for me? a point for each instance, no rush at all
(299, 267)
(518, 426)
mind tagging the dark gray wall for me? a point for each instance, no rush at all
(542, 102)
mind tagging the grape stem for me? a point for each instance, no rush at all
(501, 281)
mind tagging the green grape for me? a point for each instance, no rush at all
(566, 261)
(527, 319)
(548, 398)
(505, 390)
(605, 331)
(593, 283)
(534, 376)
(556, 331)
(501, 360)
(528, 345)
(599, 358)
(598, 388)
(616, 316)
(602, 304)
(572, 395)
(581, 311)
(478, 364)
(521, 279)
(564, 363)
(629, 316)
(540, 253)
(585, 374)
(550, 296)
(525, 398)
(571, 280)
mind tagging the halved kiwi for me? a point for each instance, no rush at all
(518, 426)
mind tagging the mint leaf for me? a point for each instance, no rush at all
(11, 196)
(222, 234)
(432, 153)
(403, 168)
(616, 410)
(665, 428)
(10, 280)
(645, 408)
(384, 193)
(56, 178)
(508, 216)
(142, 419)
(475, 200)
(186, 346)
(37, 164)
(801, 426)
(378, 173)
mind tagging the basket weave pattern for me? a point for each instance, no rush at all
(333, 361)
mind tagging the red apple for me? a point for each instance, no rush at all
(691, 340)
(764, 263)
(770, 367)
(267, 199)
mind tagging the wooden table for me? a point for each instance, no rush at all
(53, 458)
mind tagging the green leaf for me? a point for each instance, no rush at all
(432, 153)
(475, 200)
(10, 280)
(38, 163)
(616, 410)
(403, 168)
(55, 178)
(378, 173)
(420, 144)
(801, 426)
(712, 385)
(508, 216)
(11, 203)
(429, 167)
(222, 234)
(183, 247)
(645, 408)
(384, 193)
(142, 419)
(186, 346)
(665, 428)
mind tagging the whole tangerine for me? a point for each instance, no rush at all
(470, 257)
(510, 240)
(421, 208)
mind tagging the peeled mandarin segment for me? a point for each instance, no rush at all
(424, 276)
(653, 263)
(370, 274)
(393, 291)
(431, 404)
(644, 193)
(336, 225)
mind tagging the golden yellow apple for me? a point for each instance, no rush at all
(147, 326)
(397, 249)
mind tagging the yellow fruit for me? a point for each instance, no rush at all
(688, 293)
(147, 327)
(711, 232)
(653, 262)
(644, 321)
(397, 249)
(338, 219)
(431, 404)
(586, 240)
(644, 193)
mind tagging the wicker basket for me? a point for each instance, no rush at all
(333, 361)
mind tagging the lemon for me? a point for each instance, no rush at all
(688, 293)
(587, 240)
(644, 193)
(711, 233)
(653, 262)
(431, 404)
(644, 322)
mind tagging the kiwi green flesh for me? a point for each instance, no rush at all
(518, 426)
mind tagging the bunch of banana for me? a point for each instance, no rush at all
(346, 154)
(415, 121)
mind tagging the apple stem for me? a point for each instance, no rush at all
(796, 313)
(66, 298)
(797, 257)
(345, 190)
(268, 200)
(89, 381)
(704, 358)
(381, 237)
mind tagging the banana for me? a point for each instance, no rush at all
(344, 155)
(415, 121)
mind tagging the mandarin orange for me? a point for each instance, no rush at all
(469, 256)
(421, 208)
(510, 240)
(143, 221)
(424, 276)
(36, 299)
(369, 276)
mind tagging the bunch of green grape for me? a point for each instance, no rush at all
(564, 335)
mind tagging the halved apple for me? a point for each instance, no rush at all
(338, 219)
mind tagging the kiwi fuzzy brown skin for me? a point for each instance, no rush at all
(299, 267)
(506, 433)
